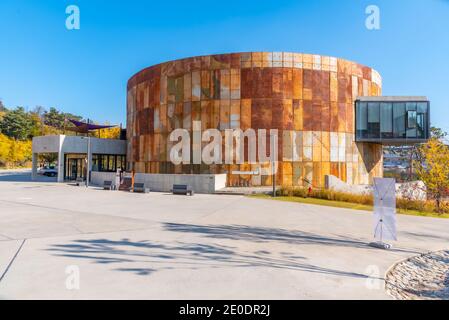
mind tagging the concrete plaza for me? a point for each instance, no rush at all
(160, 246)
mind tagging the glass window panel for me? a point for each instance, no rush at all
(104, 163)
(362, 120)
(411, 133)
(119, 163)
(373, 120)
(411, 119)
(373, 112)
(421, 126)
(386, 118)
(399, 120)
(421, 107)
(411, 106)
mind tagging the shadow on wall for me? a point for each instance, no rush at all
(139, 255)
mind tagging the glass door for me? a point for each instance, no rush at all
(75, 168)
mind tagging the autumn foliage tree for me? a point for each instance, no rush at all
(432, 167)
(18, 126)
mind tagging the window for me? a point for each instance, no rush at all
(397, 121)
(411, 119)
(108, 162)
(386, 120)
(373, 120)
(362, 119)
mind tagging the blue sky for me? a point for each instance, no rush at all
(85, 71)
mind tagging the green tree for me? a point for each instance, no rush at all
(54, 118)
(16, 124)
(57, 119)
(437, 133)
(2, 106)
(433, 169)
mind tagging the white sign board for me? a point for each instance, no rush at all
(384, 209)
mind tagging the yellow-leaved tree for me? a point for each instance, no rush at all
(432, 167)
(109, 133)
(13, 152)
(5, 145)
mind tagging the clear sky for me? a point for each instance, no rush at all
(85, 71)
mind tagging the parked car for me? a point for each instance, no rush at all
(48, 171)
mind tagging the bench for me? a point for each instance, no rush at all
(107, 185)
(80, 182)
(182, 189)
(125, 185)
(140, 187)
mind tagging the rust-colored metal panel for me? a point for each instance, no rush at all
(206, 115)
(287, 112)
(308, 115)
(246, 83)
(316, 115)
(342, 88)
(215, 85)
(235, 84)
(341, 117)
(277, 83)
(186, 116)
(196, 86)
(225, 109)
(234, 117)
(367, 73)
(215, 119)
(317, 90)
(297, 83)
(245, 115)
(205, 85)
(287, 83)
(235, 60)
(261, 113)
(350, 117)
(277, 116)
(225, 84)
(297, 115)
(187, 87)
(325, 116)
(220, 61)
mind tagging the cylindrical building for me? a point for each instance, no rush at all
(309, 97)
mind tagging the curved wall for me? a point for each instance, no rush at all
(311, 95)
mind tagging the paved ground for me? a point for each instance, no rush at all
(160, 246)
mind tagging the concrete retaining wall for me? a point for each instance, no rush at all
(415, 190)
(201, 183)
(98, 178)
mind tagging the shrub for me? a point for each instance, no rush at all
(364, 199)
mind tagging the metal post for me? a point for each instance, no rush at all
(273, 163)
(88, 162)
(273, 171)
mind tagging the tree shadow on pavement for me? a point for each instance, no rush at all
(263, 234)
(144, 257)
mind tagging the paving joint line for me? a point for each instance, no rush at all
(12, 260)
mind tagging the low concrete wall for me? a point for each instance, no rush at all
(201, 183)
(415, 190)
(334, 183)
(98, 178)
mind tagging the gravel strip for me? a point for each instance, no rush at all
(424, 277)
